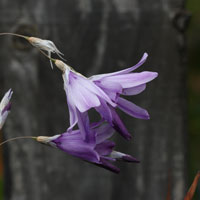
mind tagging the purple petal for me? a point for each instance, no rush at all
(82, 97)
(72, 114)
(132, 109)
(123, 156)
(111, 89)
(119, 126)
(88, 134)
(98, 91)
(96, 124)
(85, 93)
(73, 145)
(103, 132)
(129, 158)
(107, 165)
(104, 111)
(125, 71)
(134, 90)
(6, 108)
(130, 80)
(105, 148)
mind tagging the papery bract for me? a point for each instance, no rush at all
(46, 45)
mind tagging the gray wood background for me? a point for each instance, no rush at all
(96, 36)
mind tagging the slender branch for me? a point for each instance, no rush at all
(16, 138)
(14, 34)
(52, 59)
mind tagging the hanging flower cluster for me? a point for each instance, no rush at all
(103, 92)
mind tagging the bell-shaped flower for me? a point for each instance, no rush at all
(82, 95)
(102, 93)
(5, 107)
(97, 150)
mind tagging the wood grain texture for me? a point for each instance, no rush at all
(96, 37)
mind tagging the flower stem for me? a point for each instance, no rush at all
(52, 59)
(16, 138)
(14, 34)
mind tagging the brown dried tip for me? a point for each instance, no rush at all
(193, 187)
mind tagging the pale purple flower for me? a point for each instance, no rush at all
(102, 92)
(82, 95)
(5, 106)
(98, 150)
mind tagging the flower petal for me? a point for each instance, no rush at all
(105, 148)
(77, 147)
(107, 165)
(132, 109)
(88, 134)
(123, 156)
(110, 88)
(130, 80)
(3, 119)
(72, 114)
(5, 100)
(125, 71)
(104, 111)
(134, 90)
(103, 132)
(7, 108)
(79, 91)
(119, 126)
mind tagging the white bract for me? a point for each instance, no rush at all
(45, 45)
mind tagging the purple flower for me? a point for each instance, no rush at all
(102, 92)
(98, 150)
(82, 95)
(5, 106)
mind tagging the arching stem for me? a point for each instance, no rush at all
(16, 138)
(15, 34)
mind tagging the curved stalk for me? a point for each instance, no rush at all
(16, 138)
(15, 34)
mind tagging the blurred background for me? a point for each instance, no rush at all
(99, 37)
(193, 43)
